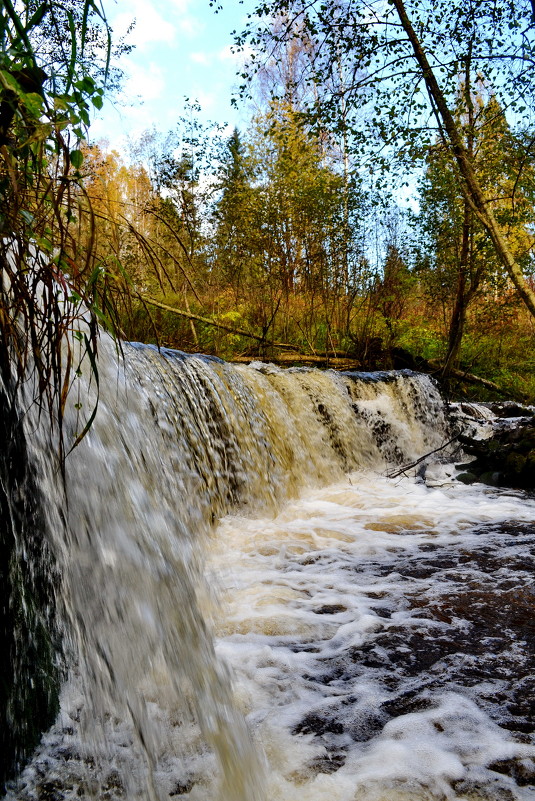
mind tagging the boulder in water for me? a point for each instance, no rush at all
(506, 459)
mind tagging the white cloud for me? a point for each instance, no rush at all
(120, 126)
(149, 27)
(207, 100)
(147, 83)
(201, 58)
(227, 54)
(179, 52)
(181, 5)
(190, 26)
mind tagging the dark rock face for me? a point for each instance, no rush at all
(509, 409)
(507, 459)
(29, 675)
(403, 359)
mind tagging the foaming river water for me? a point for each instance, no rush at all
(251, 611)
(381, 634)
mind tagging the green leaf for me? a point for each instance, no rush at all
(60, 102)
(10, 83)
(37, 18)
(77, 159)
(86, 85)
(72, 63)
(33, 102)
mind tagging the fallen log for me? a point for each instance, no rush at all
(470, 378)
(337, 362)
(207, 321)
(342, 361)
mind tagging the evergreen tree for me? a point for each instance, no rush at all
(235, 215)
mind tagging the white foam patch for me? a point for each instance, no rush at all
(303, 596)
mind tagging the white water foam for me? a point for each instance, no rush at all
(308, 594)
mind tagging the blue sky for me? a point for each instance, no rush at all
(182, 48)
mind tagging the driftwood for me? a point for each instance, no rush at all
(398, 471)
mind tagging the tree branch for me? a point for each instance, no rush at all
(231, 329)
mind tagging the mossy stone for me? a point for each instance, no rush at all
(467, 478)
(515, 463)
(491, 478)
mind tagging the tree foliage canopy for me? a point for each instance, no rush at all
(360, 52)
(389, 73)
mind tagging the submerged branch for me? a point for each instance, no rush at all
(400, 470)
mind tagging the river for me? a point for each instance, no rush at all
(252, 610)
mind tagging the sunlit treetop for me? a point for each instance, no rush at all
(358, 60)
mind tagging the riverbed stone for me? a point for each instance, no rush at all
(467, 477)
(506, 459)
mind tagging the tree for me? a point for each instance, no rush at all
(100, 52)
(463, 256)
(235, 216)
(45, 98)
(306, 259)
(405, 60)
(116, 220)
(394, 281)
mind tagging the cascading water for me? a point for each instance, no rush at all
(300, 587)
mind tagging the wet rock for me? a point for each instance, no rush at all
(327, 764)
(486, 791)
(29, 636)
(50, 791)
(521, 770)
(467, 477)
(406, 703)
(506, 459)
(314, 723)
(182, 787)
(493, 479)
(510, 409)
(330, 609)
(113, 787)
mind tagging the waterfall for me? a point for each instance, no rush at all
(178, 442)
